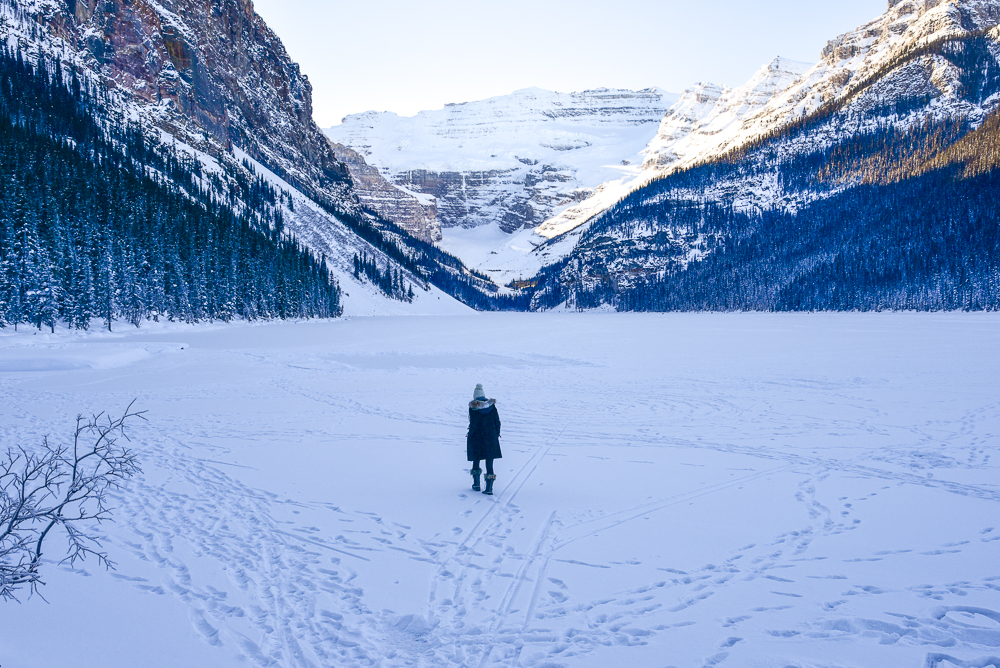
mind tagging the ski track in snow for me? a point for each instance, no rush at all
(745, 537)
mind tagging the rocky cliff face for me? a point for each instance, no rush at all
(874, 55)
(512, 161)
(412, 211)
(213, 64)
(708, 116)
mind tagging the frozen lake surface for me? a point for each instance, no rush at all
(815, 491)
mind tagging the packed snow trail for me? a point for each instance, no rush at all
(676, 490)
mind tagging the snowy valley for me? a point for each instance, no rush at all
(303, 314)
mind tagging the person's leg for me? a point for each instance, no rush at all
(490, 477)
(476, 472)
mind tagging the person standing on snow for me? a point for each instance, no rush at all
(483, 440)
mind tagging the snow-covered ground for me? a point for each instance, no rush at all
(677, 490)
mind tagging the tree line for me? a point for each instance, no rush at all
(389, 281)
(98, 221)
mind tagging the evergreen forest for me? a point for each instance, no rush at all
(99, 222)
(896, 218)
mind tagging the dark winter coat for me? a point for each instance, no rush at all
(483, 440)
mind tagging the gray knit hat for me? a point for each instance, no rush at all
(479, 393)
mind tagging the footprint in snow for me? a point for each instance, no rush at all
(733, 621)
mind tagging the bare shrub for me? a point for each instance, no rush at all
(62, 488)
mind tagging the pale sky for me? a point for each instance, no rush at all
(409, 55)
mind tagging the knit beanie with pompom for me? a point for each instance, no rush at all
(479, 393)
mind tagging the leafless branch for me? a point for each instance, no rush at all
(61, 488)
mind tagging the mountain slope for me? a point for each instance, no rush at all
(705, 118)
(216, 65)
(213, 80)
(871, 168)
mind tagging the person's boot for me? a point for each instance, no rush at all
(475, 478)
(490, 477)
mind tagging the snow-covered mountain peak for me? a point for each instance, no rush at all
(847, 62)
(501, 132)
(854, 59)
(510, 161)
(908, 23)
(709, 115)
(705, 117)
(775, 73)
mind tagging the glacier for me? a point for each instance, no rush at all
(510, 162)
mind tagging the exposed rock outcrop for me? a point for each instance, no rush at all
(417, 214)
(513, 160)
(214, 65)
(512, 198)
